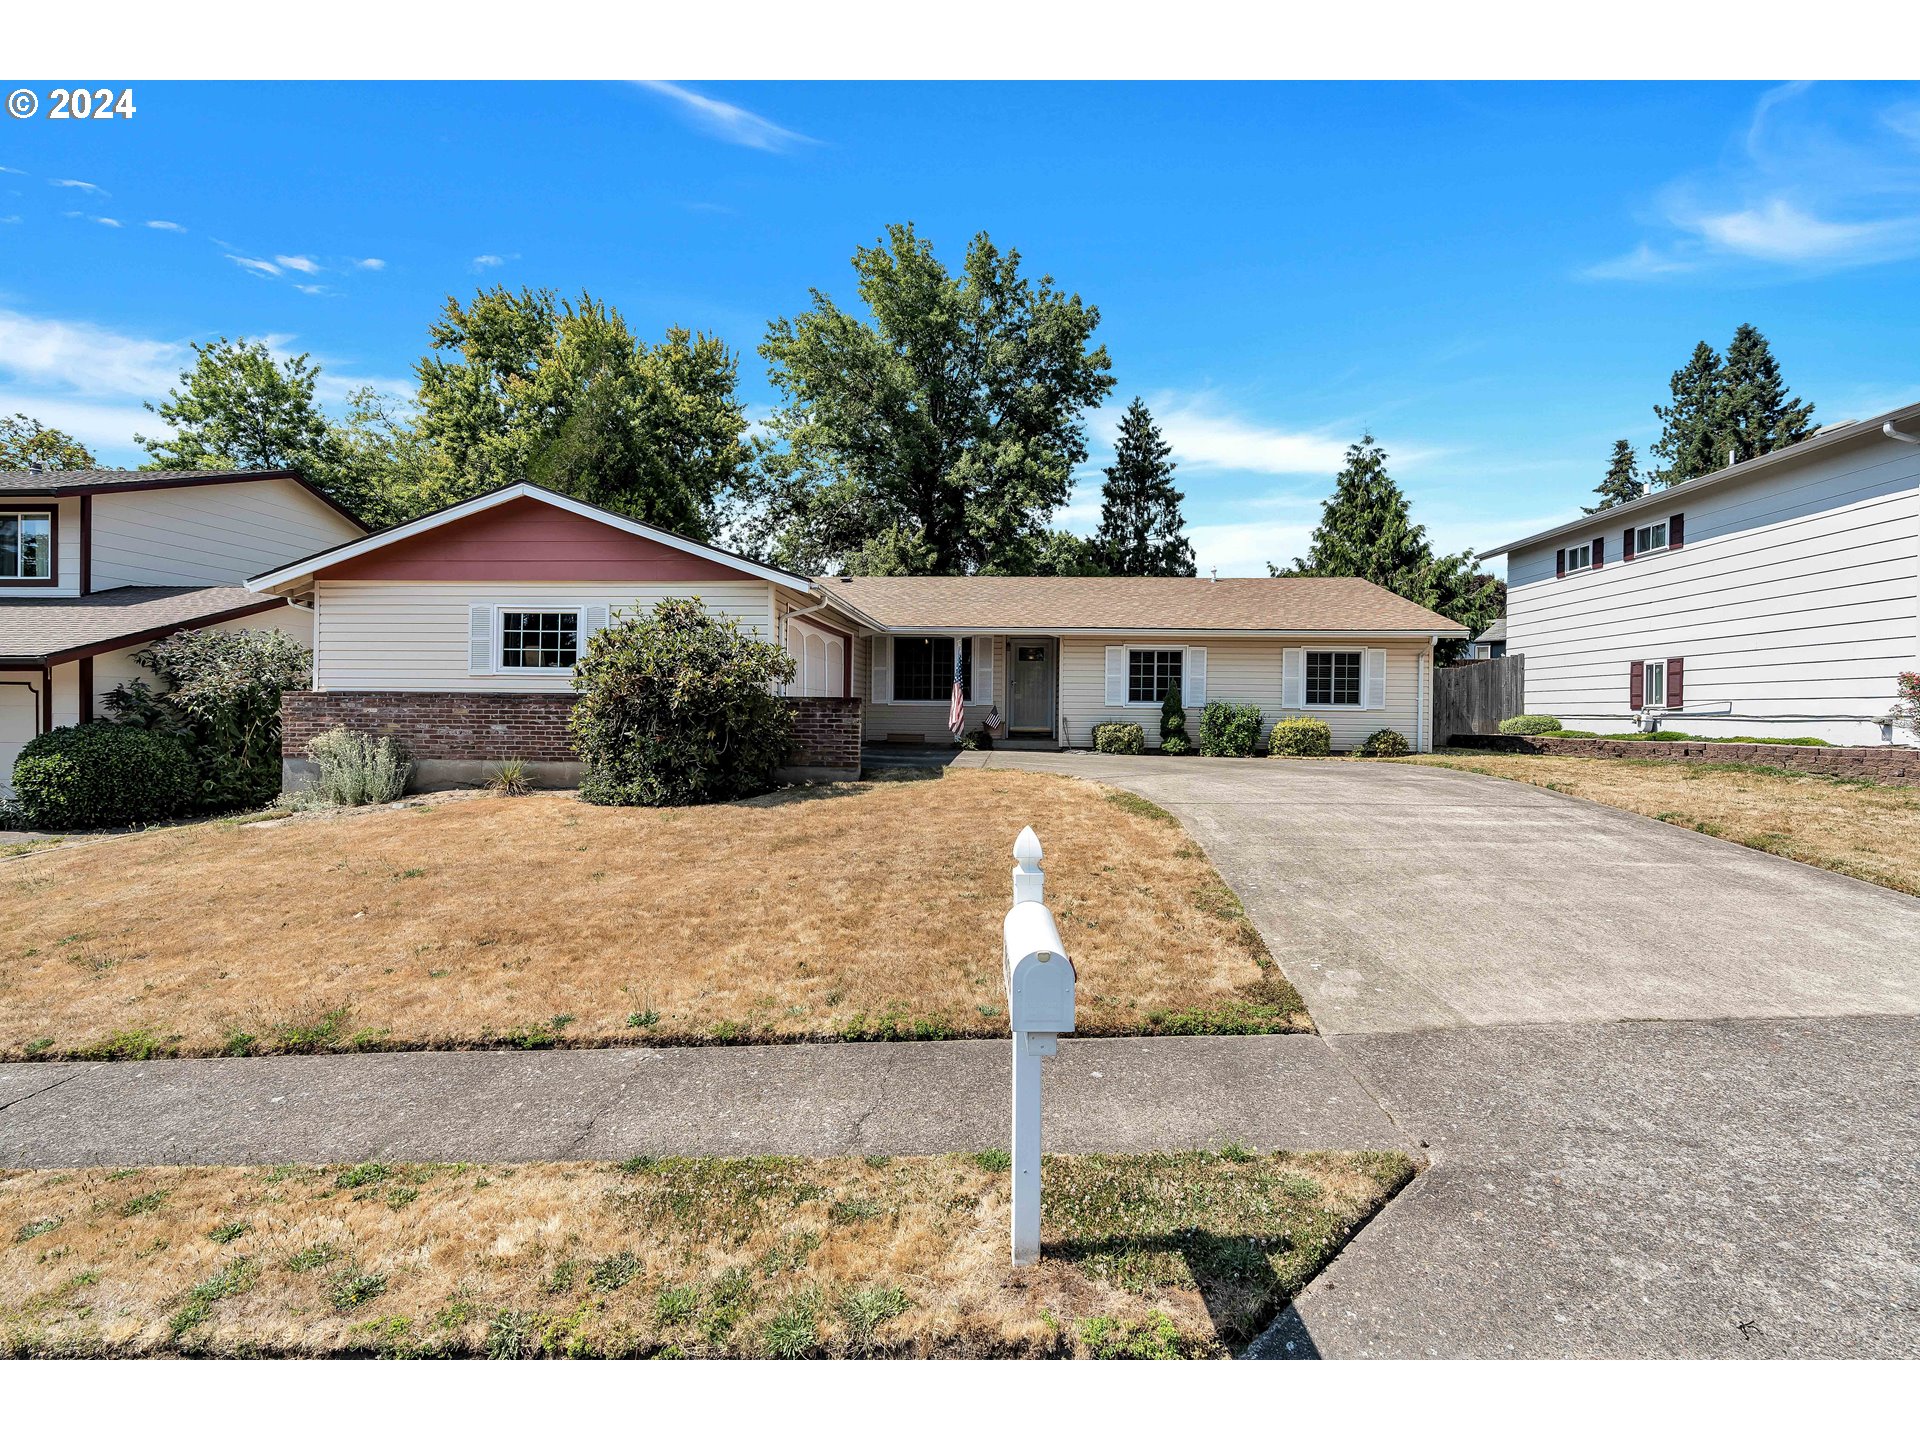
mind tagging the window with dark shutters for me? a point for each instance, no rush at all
(1599, 551)
(1626, 544)
(1637, 685)
(1676, 668)
(1559, 564)
(1676, 531)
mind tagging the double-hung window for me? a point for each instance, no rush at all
(1579, 557)
(1333, 677)
(1654, 686)
(539, 639)
(923, 667)
(1151, 673)
(26, 545)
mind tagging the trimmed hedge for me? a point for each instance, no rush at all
(1300, 735)
(1385, 742)
(1173, 724)
(1119, 737)
(1529, 725)
(1229, 729)
(100, 775)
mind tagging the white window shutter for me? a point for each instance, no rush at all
(480, 640)
(984, 649)
(836, 685)
(882, 670)
(1293, 679)
(593, 619)
(1193, 678)
(1376, 663)
(1116, 674)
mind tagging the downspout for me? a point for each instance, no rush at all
(1900, 435)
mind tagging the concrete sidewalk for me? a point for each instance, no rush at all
(919, 1098)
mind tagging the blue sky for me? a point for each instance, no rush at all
(1495, 279)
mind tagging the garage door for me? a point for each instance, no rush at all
(19, 721)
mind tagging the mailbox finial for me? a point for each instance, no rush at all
(1029, 882)
(1026, 845)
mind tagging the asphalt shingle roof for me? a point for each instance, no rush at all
(33, 630)
(42, 482)
(1314, 605)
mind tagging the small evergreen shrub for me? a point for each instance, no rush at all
(679, 707)
(1119, 737)
(1385, 743)
(357, 768)
(1173, 724)
(1301, 735)
(1229, 729)
(88, 777)
(1529, 725)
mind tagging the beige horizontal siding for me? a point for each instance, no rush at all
(208, 534)
(927, 719)
(389, 635)
(1246, 672)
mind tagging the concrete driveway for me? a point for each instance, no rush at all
(1730, 1174)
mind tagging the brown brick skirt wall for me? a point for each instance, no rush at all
(1890, 764)
(493, 725)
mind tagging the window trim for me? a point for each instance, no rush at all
(1306, 663)
(1639, 530)
(500, 667)
(893, 667)
(52, 577)
(1573, 569)
(1647, 702)
(1132, 650)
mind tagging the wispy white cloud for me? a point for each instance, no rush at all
(108, 221)
(1816, 181)
(89, 360)
(305, 264)
(311, 289)
(728, 122)
(492, 262)
(1241, 549)
(259, 267)
(9, 170)
(370, 263)
(9, 219)
(1205, 437)
(86, 185)
(166, 225)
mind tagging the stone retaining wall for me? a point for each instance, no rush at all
(1888, 764)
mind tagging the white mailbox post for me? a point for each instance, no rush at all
(1039, 1010)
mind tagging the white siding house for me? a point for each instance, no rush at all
(1778, 597)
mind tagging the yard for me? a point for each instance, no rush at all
(866, 911)
(1857, 828)
(1149, 1256)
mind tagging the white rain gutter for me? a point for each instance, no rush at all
(1900, 435)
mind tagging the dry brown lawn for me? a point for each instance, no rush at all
(858, 911)
(1155, 1255)
(1868, 831)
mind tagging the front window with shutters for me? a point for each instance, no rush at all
(1579, 557)
(1333, 677)
(539, 639)
(1151, 673)
(1653, 689)
(923, 668)
(1649, 538)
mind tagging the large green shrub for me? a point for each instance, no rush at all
(1385, 742)
(87, 777)
(1300, 735)
(1229, 729)
(1119, 737)
(220, 693)
(677, 707)
(1173, 724)
(355, 768)
(1529, 725)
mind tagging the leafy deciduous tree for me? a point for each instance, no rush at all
(25, 443)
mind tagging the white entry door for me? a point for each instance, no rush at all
(1030, 686)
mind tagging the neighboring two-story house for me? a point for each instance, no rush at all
(1777, 597)
(96, 564)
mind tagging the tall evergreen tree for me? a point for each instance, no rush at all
(1366, 529)
(1691, 423)
(1141, 530)
(1623, 482)
(1758, 416)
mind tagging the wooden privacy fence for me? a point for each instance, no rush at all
(1472, 699)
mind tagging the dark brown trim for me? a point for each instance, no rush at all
(46, 698)
(186, 482)
(86, 545)
(156, 632)
(52, 512)
(85, 683)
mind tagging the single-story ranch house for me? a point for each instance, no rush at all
(96, 564)
(1776, 597)
(458, 633)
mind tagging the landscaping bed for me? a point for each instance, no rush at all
(867, 911)
(1886, 764)
(1143, 1256)
(1851, 826)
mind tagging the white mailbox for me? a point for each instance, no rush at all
(1040, 982)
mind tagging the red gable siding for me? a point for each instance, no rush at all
(528, 540)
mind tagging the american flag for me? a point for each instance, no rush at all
(957, 715)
